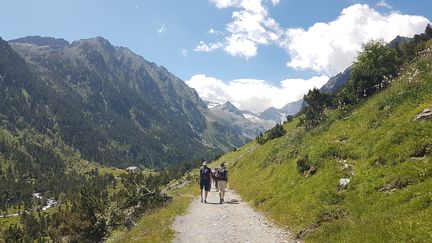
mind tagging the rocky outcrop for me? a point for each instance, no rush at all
(425, 115)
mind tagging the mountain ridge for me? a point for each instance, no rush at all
(112, 88)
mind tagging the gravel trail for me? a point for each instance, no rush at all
(234, 221)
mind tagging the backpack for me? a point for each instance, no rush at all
(205, 174)
(221, 174)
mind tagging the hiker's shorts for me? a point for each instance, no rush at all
(222, 185)
(206, 185)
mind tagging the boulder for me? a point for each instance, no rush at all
(343, 183)
(425, 115)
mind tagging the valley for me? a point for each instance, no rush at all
(99, 144)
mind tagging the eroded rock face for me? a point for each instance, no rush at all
(425, 115)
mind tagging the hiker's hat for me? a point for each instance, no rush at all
(205, 163)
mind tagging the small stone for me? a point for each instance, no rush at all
(343, 183)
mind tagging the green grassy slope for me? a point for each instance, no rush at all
(155, 226)
(378, 146)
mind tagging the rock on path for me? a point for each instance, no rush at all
(234, 221)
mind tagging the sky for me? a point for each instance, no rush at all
(253, 53)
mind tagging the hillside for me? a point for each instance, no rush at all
(108, 103)
(380, 151)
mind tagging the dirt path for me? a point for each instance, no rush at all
(234, 221)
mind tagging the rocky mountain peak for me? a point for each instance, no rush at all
(41, 41)
(228, 106)
(399, 40)
(97, 43)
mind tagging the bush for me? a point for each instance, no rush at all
(275, 132)
(375, 65)
(305, 166)
(317, 103)
(289, 118)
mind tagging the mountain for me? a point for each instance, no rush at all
(210, 104)
(293, 107)
(42, 41)
(337, 81)
(246, 123)
(106, 102)
(230, 108)
(273, 114)
(362, 175)
(398, 41)
(253, 117)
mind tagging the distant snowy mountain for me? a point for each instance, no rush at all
(273, 114)
(252, 116)
(211, 105)
(280, 115)
(245, 122)
(266, 119)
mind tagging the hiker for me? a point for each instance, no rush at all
(222, 177)
(205, 178)
(215, 179)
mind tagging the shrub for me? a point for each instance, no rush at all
(317, 102)
(304, 165)
(275, 132)
(374, 65)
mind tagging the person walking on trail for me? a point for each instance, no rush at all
(222, 177)
(205, 178)
(215, 179)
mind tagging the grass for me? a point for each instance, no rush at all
(6, 222)
(155, 226)
(378, 146)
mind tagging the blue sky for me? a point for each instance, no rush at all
(254, 53)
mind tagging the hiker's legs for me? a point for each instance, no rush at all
(202, 187)
(222, 186)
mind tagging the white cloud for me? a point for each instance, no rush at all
(215, 32)
(162, 30)
(252, 94)
(323, 47)
(203, 47)
(275, 2)
(331, 47)
(327, 48)
(383, 4)
(225, 3)
(250, 26)
(183, 52)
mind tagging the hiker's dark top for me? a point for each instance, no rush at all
(221, 174)
(205, 174)
(215, 171)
